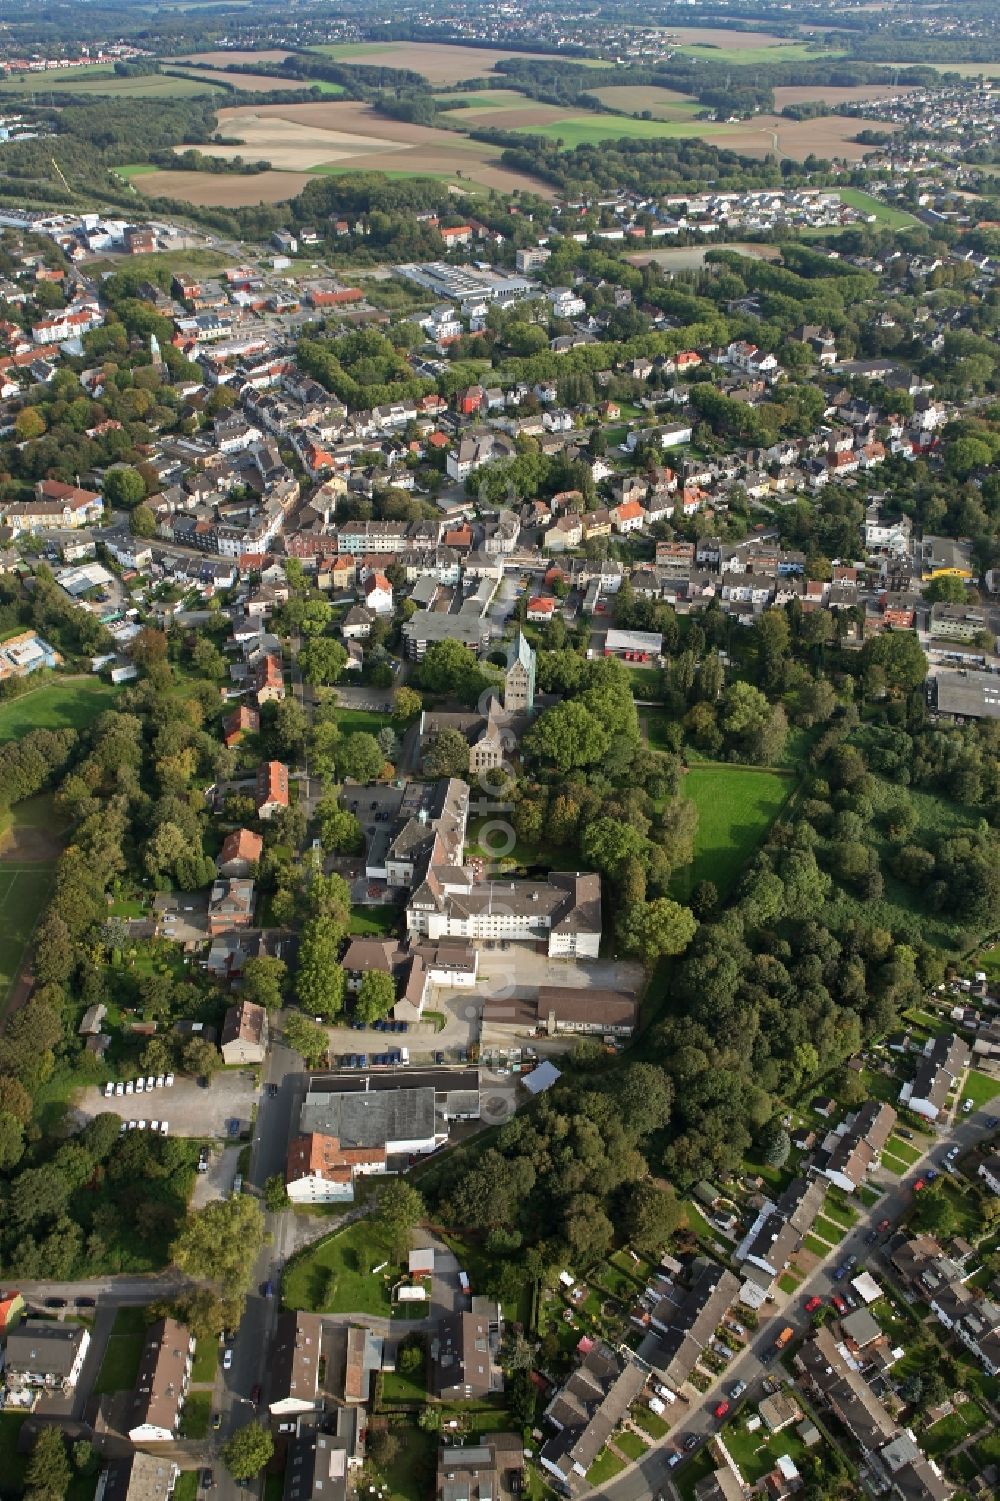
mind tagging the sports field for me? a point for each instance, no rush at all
(736, 807)
(23, 889)
(59, 704)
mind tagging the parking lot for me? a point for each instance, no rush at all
(217, 1182)
(189, 1109)
(519, 971)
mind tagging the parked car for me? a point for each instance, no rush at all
(109, 1088)
(169, 1080)
(931, 1174)
(920, 1184)
(691, 1442)
(207, 1479)
(813, 1303)
(851, 1261)
(968, 1106)
(160, 1080)
(272, 1090)
(267, 1290)
(736, 1390)
(119, 1088)
(720, 1410)
(85, 1302)
(216, 1421)
(55, 1302)
(871, 1237)
(227, 1360)
(439, 1058)
(883, 1226)
(838, 1303)
(992, 1121)
(129, 1086)
(906, 1135)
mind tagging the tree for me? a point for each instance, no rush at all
(608, 844)
(305, 1037)
(947, 589)
(48, 1474)
(248, 1451)
(319, 981)
(400, 1209)
(200, 1057)
(339, 830)
(142, 522)
(406, 704)
(899, 655)
(651, 1216)
(447, 755)
(264, 981)
(360, 758)
(657, 928)
(124, 487)
(382, 1446)
(376, 997)
(777, 1147)
(566, 736)
(219, 1243)
(28, 424)
(275, 1194)
(322, 660)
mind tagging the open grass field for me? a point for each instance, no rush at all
(736, 807)
(23, 890)
(104, 81)
(341, 1265)
(58, 704)
(892, 218)
(439, 63)
(720, 44)
(663, 104)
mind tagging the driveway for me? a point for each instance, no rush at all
(217, 1183)
(189, 1109)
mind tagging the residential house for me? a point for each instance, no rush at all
(856, 1147)
(271, 788)
(683, 1324)
(44, 1353)
(466, 1357)
(295, 1364)
(162, 1383)
(244, 1034)
(242, 721)
(943, 1065)
(378, 594)
(230, 904)
(138, 1477)
(491, 1470)
(587, 1409)
(241, 850)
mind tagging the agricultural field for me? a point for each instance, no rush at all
(507, 109)
(104, 81)
(222, 191)
(830, 135)
(298, 138)
(223, 57)
(736, 807)
(443, 64)
(259, 83)
(662, 104)
(743, 47)
(58, 704)
(892, 218)
(835, 94)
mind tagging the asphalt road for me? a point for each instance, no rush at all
(653, 1473)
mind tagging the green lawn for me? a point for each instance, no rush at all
(58, 704)
(767, 52)
(757, 1454)
(817, 1247)
(980, 1088)
(830, 1231)
(120, 1365)
(351, 720)
(605, 1467)
(410, 1476)
(397, 1386)
(967, 1418)
(350, 1254)
(894, 1164)
(186, 1488)
(206, 1360)
(135, 169)
(843, 1214)
(650, 1422)
(631, 1444)
(379, 921)
(736, 807)
(903, 1150)
(892, 218)
(788, 1282)
(194, 1418)
(12, 1464)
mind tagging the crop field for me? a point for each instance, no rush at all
(830, 135)
(446, 63)
(894, 218)
(505, 108)
(104, 81)
(223, 57)
(662, 104)
(297, 138)
(834, 94)
(717, 44)
(736, 807)
(259, 83)
(215, 191)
